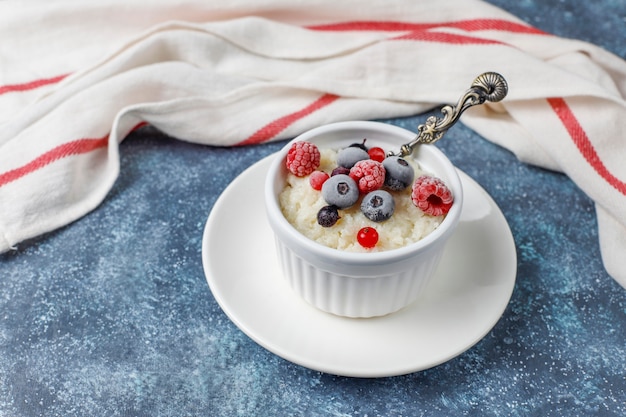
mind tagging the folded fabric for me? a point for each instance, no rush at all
(250, 71)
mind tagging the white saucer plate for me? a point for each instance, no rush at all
(471, 290)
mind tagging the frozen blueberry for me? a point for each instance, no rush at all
(360, 145)
(341, 191)
(340, 170)
(349, 156)
(327, 216)
(378, 205)
(398, 173)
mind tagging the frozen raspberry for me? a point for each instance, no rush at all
(317, 179)
(431, 195)
(369, 175)
(303, 158)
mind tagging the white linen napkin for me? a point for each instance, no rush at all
(251, 71)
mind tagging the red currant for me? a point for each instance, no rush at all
(317, 179)
(377, 154)
(367, 237)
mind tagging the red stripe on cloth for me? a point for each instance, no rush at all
(75, 147)
(446, 38)
(31, 85)
(584, 145)
(273, 128)
(395, 26)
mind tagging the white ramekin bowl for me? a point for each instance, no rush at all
(360, 284)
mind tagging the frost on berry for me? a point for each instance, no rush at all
(317, 179)
(432, 196)
(328, 216)
(368, 174)
(302, 158)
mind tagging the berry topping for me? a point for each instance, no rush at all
(431, 195)
(341, 191)
(369, 174)
(317, 179)
(367, 237)
(399, 174)
(327, 216)
(377, 154)
(378, 205)
(303, 158)
(340, 170)
(360, 145)
(347, 157)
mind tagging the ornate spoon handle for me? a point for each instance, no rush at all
(489, 86)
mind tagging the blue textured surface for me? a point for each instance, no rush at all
(112, 316)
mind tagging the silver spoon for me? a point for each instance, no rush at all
(489, 86)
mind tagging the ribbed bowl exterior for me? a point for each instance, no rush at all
(352, 296)
(360, 284)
